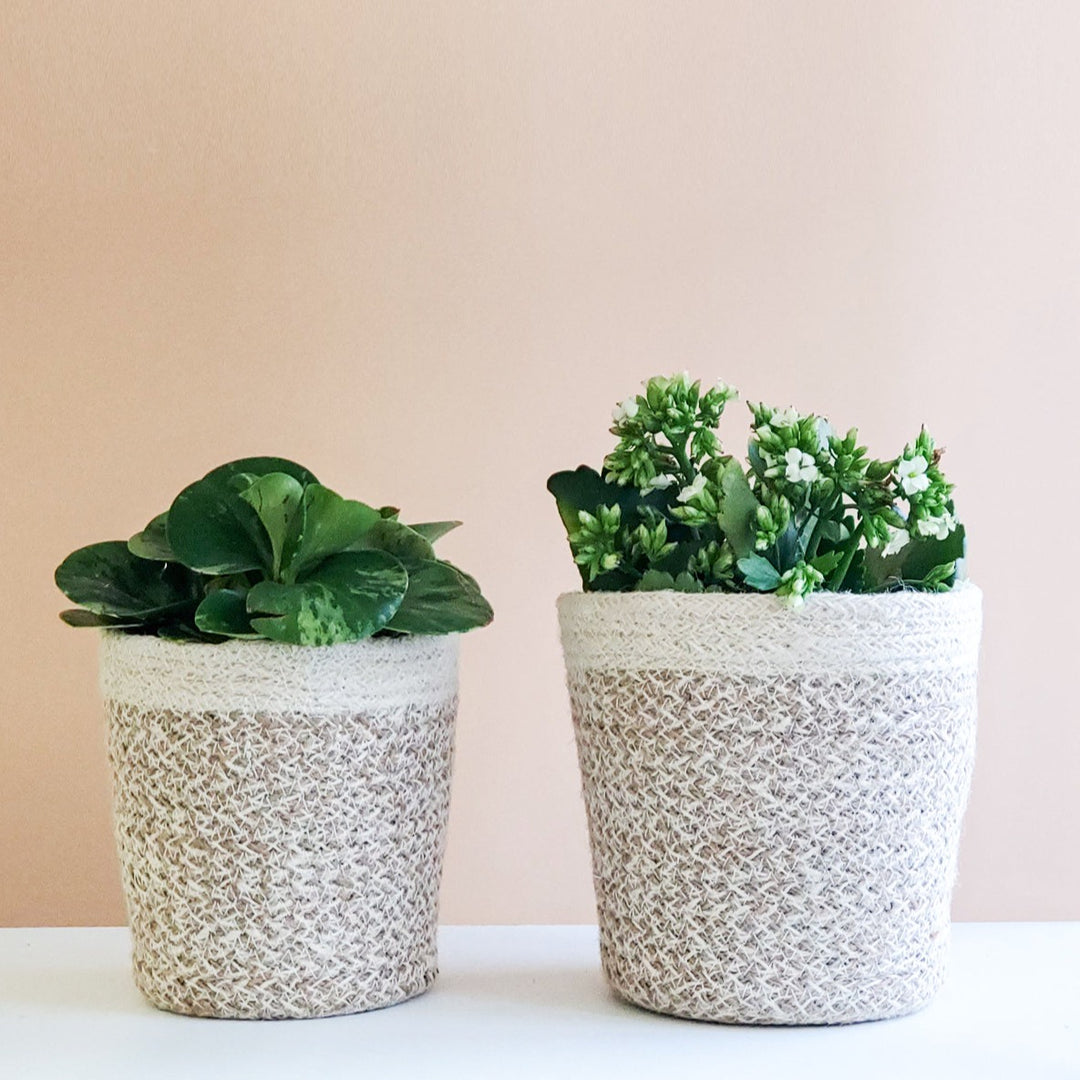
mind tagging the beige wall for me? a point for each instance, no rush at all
(423, 248)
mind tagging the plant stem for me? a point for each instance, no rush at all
(836, 579)
(822, 516)
(679, 453)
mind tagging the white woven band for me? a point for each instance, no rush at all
(193, 677)
(745, 633)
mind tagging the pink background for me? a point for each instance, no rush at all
(424, 247)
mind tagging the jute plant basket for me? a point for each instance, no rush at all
(280, 815)
(774, 797)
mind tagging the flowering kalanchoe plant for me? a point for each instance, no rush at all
(258, 548)
(671, 510)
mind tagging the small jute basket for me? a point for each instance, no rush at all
(280, 817)
(774, 797)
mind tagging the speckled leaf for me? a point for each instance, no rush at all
(434, 530)
(152, 542)
(330, 525)
(441, 599)
(224, 612)
(108, 579)
(212, 529)
(82, 617)
(278, 500)
(399, 540)
(348, 597)
(260, 466)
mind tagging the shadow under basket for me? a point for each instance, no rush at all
(774, 797)
(280, 817)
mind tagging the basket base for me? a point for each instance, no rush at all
(733, 1003)
(298, 1002)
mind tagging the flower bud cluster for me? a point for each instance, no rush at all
(793, 451)
(663, 430)
(596, 544)
(797, 583)
(928, 493)
(713, 564)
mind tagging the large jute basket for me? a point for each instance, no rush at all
(774, 797)
(280, 816)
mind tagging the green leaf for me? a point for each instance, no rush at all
(347, 597)
(825, 564)
(82, 617)
(398, 540)
(655, 581)
(211, 528)
(939, 578)
(224, 612)
(152, 542)
(331, 525)
(108, 579)
(440, 599)
(390, 512)
(261, 466)
(278, 499)
(854, 579)
(585, 489)
(757, 463)
(914, 561)
(738, 510)
(759, 573)
(434, 530)
(687, 583)
(834, 531)
(676, 561)
(790, 546)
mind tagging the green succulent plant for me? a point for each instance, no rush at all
(671, 510)
(258, 548)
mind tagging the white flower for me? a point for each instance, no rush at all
(896, 542)
(911, 472)
(625, 410)
(785, 418)
(938, 527)
(801, 467)
(660, 482)
(695, 489)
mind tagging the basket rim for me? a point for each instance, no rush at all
(966, 590)
(404, 643)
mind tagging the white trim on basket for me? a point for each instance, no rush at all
(153, 673)
(746, 633)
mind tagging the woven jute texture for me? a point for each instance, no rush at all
(280, 816)
(774, 797)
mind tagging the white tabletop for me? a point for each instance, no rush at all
(522, 1002)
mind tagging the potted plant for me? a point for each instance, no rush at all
(772, 678)
(279, 669)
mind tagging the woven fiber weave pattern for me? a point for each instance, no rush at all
(774, 797)
(281, 852)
